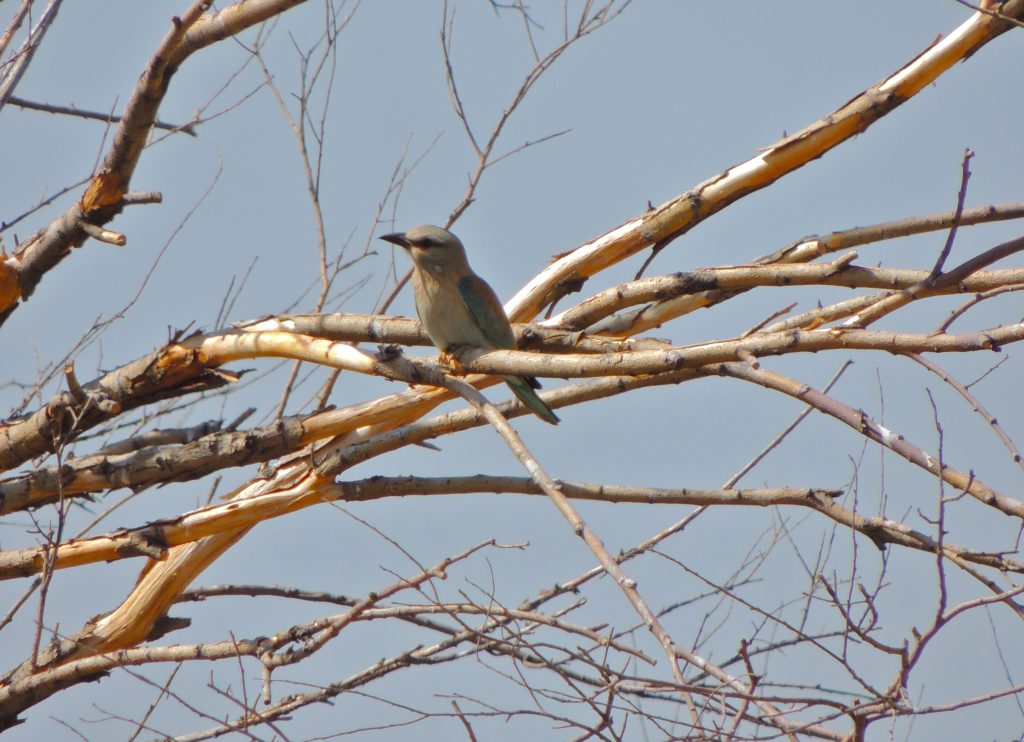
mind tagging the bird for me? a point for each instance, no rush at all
(459, 309)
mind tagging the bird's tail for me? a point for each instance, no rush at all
(522, 388)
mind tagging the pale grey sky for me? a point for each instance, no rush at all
(667, 95)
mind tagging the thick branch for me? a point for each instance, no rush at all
(878, 433)
(153, 539)
(170, 371)
(104, 196)
(782, 343)
(193, 364)
(675, 217)
(740, 278)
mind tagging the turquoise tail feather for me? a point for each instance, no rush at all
(522, 389)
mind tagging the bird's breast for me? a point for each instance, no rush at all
(444, 314)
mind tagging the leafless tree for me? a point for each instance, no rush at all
(815, 652)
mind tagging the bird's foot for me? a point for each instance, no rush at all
(452, 362)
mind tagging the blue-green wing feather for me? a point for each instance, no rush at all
(486, 310)
(490, 317)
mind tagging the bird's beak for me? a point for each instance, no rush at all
(396, 238)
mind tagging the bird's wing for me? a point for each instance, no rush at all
(486, 311)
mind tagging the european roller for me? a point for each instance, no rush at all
(459, 309)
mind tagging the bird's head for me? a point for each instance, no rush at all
(430, 247)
